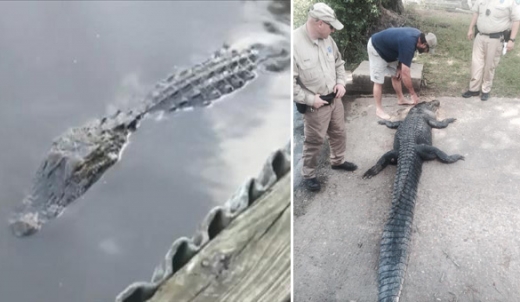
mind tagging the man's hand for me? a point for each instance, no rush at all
(470, 33)
(398, 74)
(339, 90)
(415, 98)
(318, 102)
(510, 45)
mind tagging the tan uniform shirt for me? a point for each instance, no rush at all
(317, 65)
(501, 15)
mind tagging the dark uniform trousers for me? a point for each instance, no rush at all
(327, 120)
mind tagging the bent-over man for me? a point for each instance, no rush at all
(390, 52)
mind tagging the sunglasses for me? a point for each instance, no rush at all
(331, 27)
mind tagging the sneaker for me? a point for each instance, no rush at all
(469, 93)
(345, 166)
(484, 96)
(312, 184)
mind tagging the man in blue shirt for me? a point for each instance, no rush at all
(390, 52)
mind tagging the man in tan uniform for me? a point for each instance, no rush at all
(492, 17)
(318, 71)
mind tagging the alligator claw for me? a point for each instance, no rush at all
(369, 174)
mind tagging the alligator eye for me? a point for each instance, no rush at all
(215, 94)
(183, 103)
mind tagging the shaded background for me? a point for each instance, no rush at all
(62, 64)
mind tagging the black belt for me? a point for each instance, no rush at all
(494, 35)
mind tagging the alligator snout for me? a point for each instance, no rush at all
(25, 225)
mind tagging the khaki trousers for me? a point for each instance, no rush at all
(327, 120)
(485, 58)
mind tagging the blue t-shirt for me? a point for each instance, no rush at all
(396, 44)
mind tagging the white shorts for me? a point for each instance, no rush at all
(379, 68)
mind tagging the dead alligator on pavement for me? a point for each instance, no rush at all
(412, 145)
(80, 156)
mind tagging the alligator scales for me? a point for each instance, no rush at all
(80, 156)
(412, 145)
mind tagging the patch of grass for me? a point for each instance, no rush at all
(447, 72)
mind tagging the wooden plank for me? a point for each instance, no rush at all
(248, 261)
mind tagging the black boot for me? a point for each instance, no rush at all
(470, 93)
(312, 184)
(345, 166)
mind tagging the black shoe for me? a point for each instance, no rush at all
(484, 96)
(345, 166)
(312, 184)
(469, 94)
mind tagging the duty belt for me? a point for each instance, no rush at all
(494, 35)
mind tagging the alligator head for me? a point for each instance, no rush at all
(429, 108)
(77, 159)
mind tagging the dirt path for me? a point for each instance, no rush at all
(466, 232)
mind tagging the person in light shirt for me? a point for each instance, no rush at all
(493, 18)
(319, 82)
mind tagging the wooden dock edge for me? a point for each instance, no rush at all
(272, 184)
(248, 261)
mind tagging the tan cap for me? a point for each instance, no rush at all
(431, 39)
(322, 11)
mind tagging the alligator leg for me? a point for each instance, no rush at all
(389, 124)
(389, 157)
(429, 152)
(441, 124)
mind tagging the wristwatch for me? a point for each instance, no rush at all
(512, 40)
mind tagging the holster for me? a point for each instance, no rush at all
(329, 97)
(302, 108)
(507, 35)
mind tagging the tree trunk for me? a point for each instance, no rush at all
(393, 5)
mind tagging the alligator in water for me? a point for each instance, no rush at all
(412, 145)
(80, 156)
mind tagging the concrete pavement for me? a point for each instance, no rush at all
(466, 230)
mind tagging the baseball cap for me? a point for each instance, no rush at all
(431, 39)
(322, 11)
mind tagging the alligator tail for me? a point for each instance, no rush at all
(227, 71)
(397, 232)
